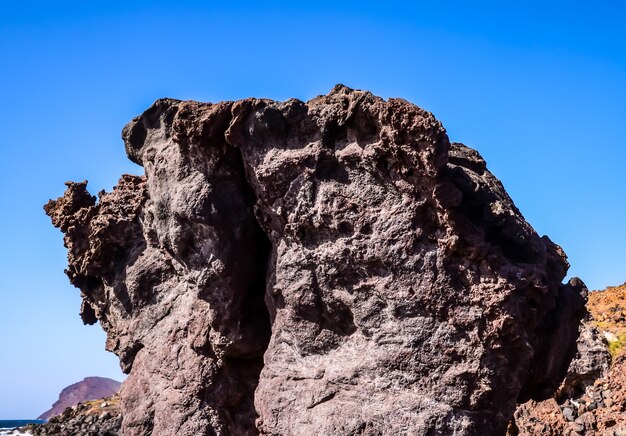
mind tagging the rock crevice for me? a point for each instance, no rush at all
(328, 267)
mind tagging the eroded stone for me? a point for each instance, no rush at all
(329, 267)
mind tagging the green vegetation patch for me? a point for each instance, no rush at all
(617, 346)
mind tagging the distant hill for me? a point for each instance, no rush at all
(91, 388)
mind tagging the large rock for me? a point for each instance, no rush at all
(592, 398)
(329, 267)
(578, 400)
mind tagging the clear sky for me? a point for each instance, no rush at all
(539, 90)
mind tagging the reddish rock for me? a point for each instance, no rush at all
(592, 399)
(600, 411)
(329, 267)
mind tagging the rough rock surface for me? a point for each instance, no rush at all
(93, 418)
(91, 388)
(609, 311)
(592, 399)
(329, 267)
(580, 393)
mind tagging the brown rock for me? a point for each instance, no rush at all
(607, 307)
(594, 390)
(329, 267)
(99, 417)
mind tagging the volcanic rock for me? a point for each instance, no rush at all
(329, 267)
(92, 418)
(592, 398)
(609, 311)
(91, 388)
(578, 397)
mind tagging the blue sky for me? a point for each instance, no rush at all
(539, 90)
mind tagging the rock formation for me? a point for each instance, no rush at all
(592, 399)
(92, 418)
(609, 313)
(91, 388)
(330, 267)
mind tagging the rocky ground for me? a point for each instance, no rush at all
(91, 388)
(92, 418)
(609, 312)
(592, 399)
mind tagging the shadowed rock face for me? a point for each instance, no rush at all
(329, 267)
(592, 398)
(580, 405)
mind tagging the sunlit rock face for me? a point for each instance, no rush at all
(329, 267)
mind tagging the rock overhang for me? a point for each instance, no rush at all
(326, 266)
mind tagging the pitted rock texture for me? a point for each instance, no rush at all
(575, 407)
(329, 267)
(592, 399)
